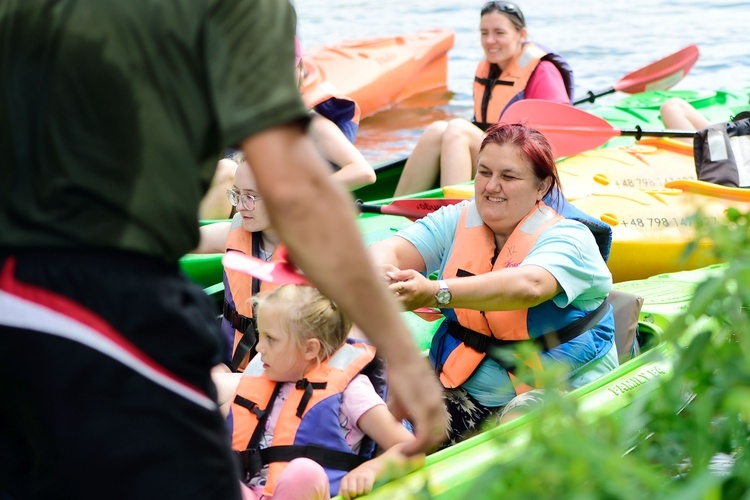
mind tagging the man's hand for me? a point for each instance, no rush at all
(418, 391)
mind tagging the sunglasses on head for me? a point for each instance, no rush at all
(505, 7)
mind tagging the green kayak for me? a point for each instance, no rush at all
(643, 109)
(449, 473)
(636, 110)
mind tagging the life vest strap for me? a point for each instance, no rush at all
(239, 322)
(308, 387)
(254, 460)
(242, 351)
(485, 344)
(248, 327)
(490, 82)
(251, 406)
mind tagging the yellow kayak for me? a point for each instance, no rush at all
(638, 190)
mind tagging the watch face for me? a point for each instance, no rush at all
(443, 296)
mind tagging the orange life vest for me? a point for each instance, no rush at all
(493, 95)
(239, 289)
(473, 253)
(308, 422)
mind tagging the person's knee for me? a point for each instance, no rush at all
(308, 472)
(434, 132)
(302, 478)
(522, 404)
(671, 105)
(458, 130)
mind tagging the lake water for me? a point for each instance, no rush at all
(602, 40)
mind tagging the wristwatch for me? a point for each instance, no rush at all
(443, 295)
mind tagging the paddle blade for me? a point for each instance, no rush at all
(272, 272)
(429, 313)
(413, 208)
(661, 74)
(569, 130)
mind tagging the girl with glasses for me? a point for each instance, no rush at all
(249, 232)
(513, 69)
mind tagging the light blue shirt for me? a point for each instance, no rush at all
(567, 250)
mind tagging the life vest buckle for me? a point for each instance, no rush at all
(251, 462)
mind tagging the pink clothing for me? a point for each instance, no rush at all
(358, 397)
(547, 83)
(302, 479)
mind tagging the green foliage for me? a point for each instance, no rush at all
(658, 447)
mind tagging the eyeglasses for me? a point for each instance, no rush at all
(248, 201)
(506, 7)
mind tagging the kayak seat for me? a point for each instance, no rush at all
(627, 308)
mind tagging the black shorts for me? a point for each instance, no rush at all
(105, 390)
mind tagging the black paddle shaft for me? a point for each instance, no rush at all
(591, 96)
(638, 133)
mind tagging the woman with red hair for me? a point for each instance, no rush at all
(512, 271)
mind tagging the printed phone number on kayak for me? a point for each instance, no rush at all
(651, 222)
(647, 182)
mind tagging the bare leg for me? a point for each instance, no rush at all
(458, 155)
(215, 204)
(677, 114)
(422, 168)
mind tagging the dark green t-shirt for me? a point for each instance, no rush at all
(113, 113)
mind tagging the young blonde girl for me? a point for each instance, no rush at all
(306, 391)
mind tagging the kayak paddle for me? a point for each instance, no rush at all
(571, 130)
(659, 75)
(273, 272)
(413, 208)
(710, 189)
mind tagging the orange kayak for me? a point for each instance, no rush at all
(379, 72)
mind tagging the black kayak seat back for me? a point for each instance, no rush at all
(627, 308)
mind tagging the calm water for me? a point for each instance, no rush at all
(603, 41)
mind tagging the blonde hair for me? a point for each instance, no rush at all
(307, 314)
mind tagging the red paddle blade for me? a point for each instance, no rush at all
(425, 204)
(272, 272)
(429, 313)
(661, 74)
(569, 130)
(413, 208)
